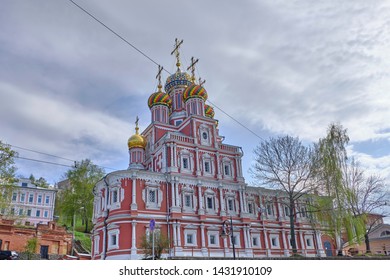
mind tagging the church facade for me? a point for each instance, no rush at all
(183, 177)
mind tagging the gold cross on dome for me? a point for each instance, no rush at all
(158, 76)
(177, 53)
(136, 122)
(192, 67)
(201, 82)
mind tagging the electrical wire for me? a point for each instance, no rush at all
(152, 60)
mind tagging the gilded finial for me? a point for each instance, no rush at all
(136, 125)
(177, 53)
(160, 68)
(192, 67)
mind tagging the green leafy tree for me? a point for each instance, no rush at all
(77, 200)
(161, 243)
(333, 207)
(41, 182)
(285, 164)
(31, 247)
(7, 174)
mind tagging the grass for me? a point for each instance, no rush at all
(84, 239)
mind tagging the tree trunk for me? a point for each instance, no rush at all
(367, 241)
(292, 228)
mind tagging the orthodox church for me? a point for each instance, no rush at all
(184, 182)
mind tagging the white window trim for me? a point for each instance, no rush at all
(311, 241)
(213, 233)
(192, 232)
(111, 233)
(257, 237)
(159, 196)
(214, 198)
(96, 243)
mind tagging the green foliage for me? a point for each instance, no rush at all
(41, 182)
(7, 174)
(330, 171)
(77, 201)
(84, 239)
(31, 247)
(161, 243)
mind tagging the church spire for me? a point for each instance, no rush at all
(177, 53)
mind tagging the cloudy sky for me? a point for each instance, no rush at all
(71, 88)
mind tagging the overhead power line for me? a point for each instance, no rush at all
(50, 162)
(152, 60)
(115, 33)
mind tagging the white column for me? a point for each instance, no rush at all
(178, 235)
(223, 207)
(241, 201)
(302, 243)
(197, 170)
(266, 242)
(218, 166)
(200, 198)
(133, 240)
(202, 235)
(286, 251)
(134, 194)
(320, 248)
(245, 231)
(174, 235)
(171, 151)
(173, 198)
(177, 193)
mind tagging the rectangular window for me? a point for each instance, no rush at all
(47, 199)
(39, 199)
(250, 208)
(210, 204)
(14, 195)
(274, 242)
(190, 239)
(309, 242)
(46, 214)
(12, 211)
(270, 211)
(227, 169)
(152, 196)
(207, 167)
(30, 198)
(24, 184)
(212, 240)
(115, 196)
(38, 213)
(113, 240)
(188, 200)
(185, 163)
(231, 205)
(29, 212)
(22, 197)
(20, 212)
(255, 241)
(287, 211)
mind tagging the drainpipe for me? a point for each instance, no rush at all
(105, 220)
(168, 214)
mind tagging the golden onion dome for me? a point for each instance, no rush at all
(136, 140)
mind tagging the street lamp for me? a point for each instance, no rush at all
(227, 230)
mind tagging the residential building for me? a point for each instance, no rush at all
(30, 204)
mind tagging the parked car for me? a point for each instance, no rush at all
(8, 255)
